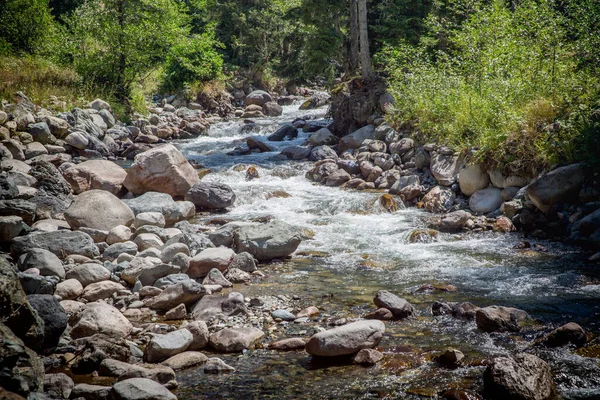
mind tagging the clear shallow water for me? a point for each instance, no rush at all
(362, 249)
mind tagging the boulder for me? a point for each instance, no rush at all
(102, 318)
(215, 365)
(272, 109)
(275, 239)
(346, 339)
(524, 377)
(118, 234)
(233, 340)
(322, 137)
(88, 273)
(163, 169)
(69, 289)
(243, 261)
(570, 333)
(322, 153)
(26, 210)
(355, 139)
(45, 261)
(215, 277)
(92, 350)
(123, 370)
(439, 199)
(58, 385)
(472, 178)
(368, 357)
(399, 307)
(40, 132)
(54, 317)
(146, 271)
(203, 262)
(11, 227)
(486, 200)
(102, 290)
(258, 97)
(164, 346)
(141, 389)
(62, 243)
(500, 319)
(559, 185)
(78, 140)
(163, 203)
(113, 251)
(288, 344)
(451, 222)
(445, 168)
(186, 292)
(17, 314)
(219, 306)
(96, 174)
(211, 196)
(296, 152)
(91, 392)
(22, 370)
(98, 209)
(200, 334)
(149, 218)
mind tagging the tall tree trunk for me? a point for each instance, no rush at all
(365, 57)
(354, 38)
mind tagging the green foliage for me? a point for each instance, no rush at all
(191, 60)
(499, 81)
(24, 26)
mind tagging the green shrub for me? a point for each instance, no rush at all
(24, 26)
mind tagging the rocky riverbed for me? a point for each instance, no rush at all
(269, 259)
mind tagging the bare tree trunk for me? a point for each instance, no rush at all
(354, 38)
(365, 57)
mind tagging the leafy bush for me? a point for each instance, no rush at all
(24, 26)
(507, 84)
(193, 59)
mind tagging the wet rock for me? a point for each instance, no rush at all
(62, 243)
(186, 292)
(504, 224)
(451, 222)
(368, 357)
(445, 168)
(465, 310)
(382, 314)
(275, 239)
(473, 178)
(296, 152)
(200, 335)
(211, 196)
(457, 394)
(556, 186)
(88, 273)
(272, 109)
(164, 346)
(98, 209)
(399, 307)
(346, 339)
(54, 317)
(288, 344)
(218, 258)
(17, 313)
(91, 392)
(450, 358)
(102, 318)
(524, 377)
(22, 370)
(219, 305)
(355, 139)
(215, 365)
(96, 174)
(316, 100)
(486, 200)
(233, 340)
(163, 169)
(423, 236)
(255, 143)
(570, 333)
(58, 385)
(185, 360)
(322, 153)
(439, 199)
(141, 389)
(500, 319)
(286, 131)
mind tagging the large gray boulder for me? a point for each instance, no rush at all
(211, 196)
(187, 292)
(141, 389)
(524, 377)
(173, 211)
(472, 178)
(163, 169)
(258, 97)
(203, 262)
(399, 307)
(556, 186)
(99, 317)
(96, 174)
(346, 339)
(45, 261)
(500, 319)
(164, 346)
(98, 209)
(486, 200)
(54, 317)
(275, 239)
(355, 139)
(219, 306)
(445, 168)
(63, 243)
(233, 340)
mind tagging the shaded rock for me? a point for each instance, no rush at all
(22, 371)
(559, 185)
(164, 346)
(346, 339)
(322, 153)
(102, 318)
(500, 319)
(96, 174)
(296, 152)
(62, 243)
(48, 263)
(355, 139)
(54, 317)
(215, 277)
(93, 350)
(399, 307)
(322, 137)
(40, 132)
(276, 239)
(215, 365)
(232, 340)
(186, 292)
(524, 377)
(163, 169)
(11, 227)
(141, 389)
(122, 370)
(570, 333)
(37, 284)
(219, 305)
(288, 344)
(368, 357)
(211, 196)
(185, 360)
(18, 208)
(177, 313)
(58, 385)
(146, 271)
(439, 199)
(450, 358)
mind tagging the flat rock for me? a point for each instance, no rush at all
(219, 305)
(88, 273)
(164, 346)
(233, 340)
(218, 258)
(288, 344)
(346, 339)
(96, 174)
(185, 360)
(500, 319)
(211, 195)
(186, 292)
(62, 243)
(275, 239)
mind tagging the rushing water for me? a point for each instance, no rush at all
(358, 249)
